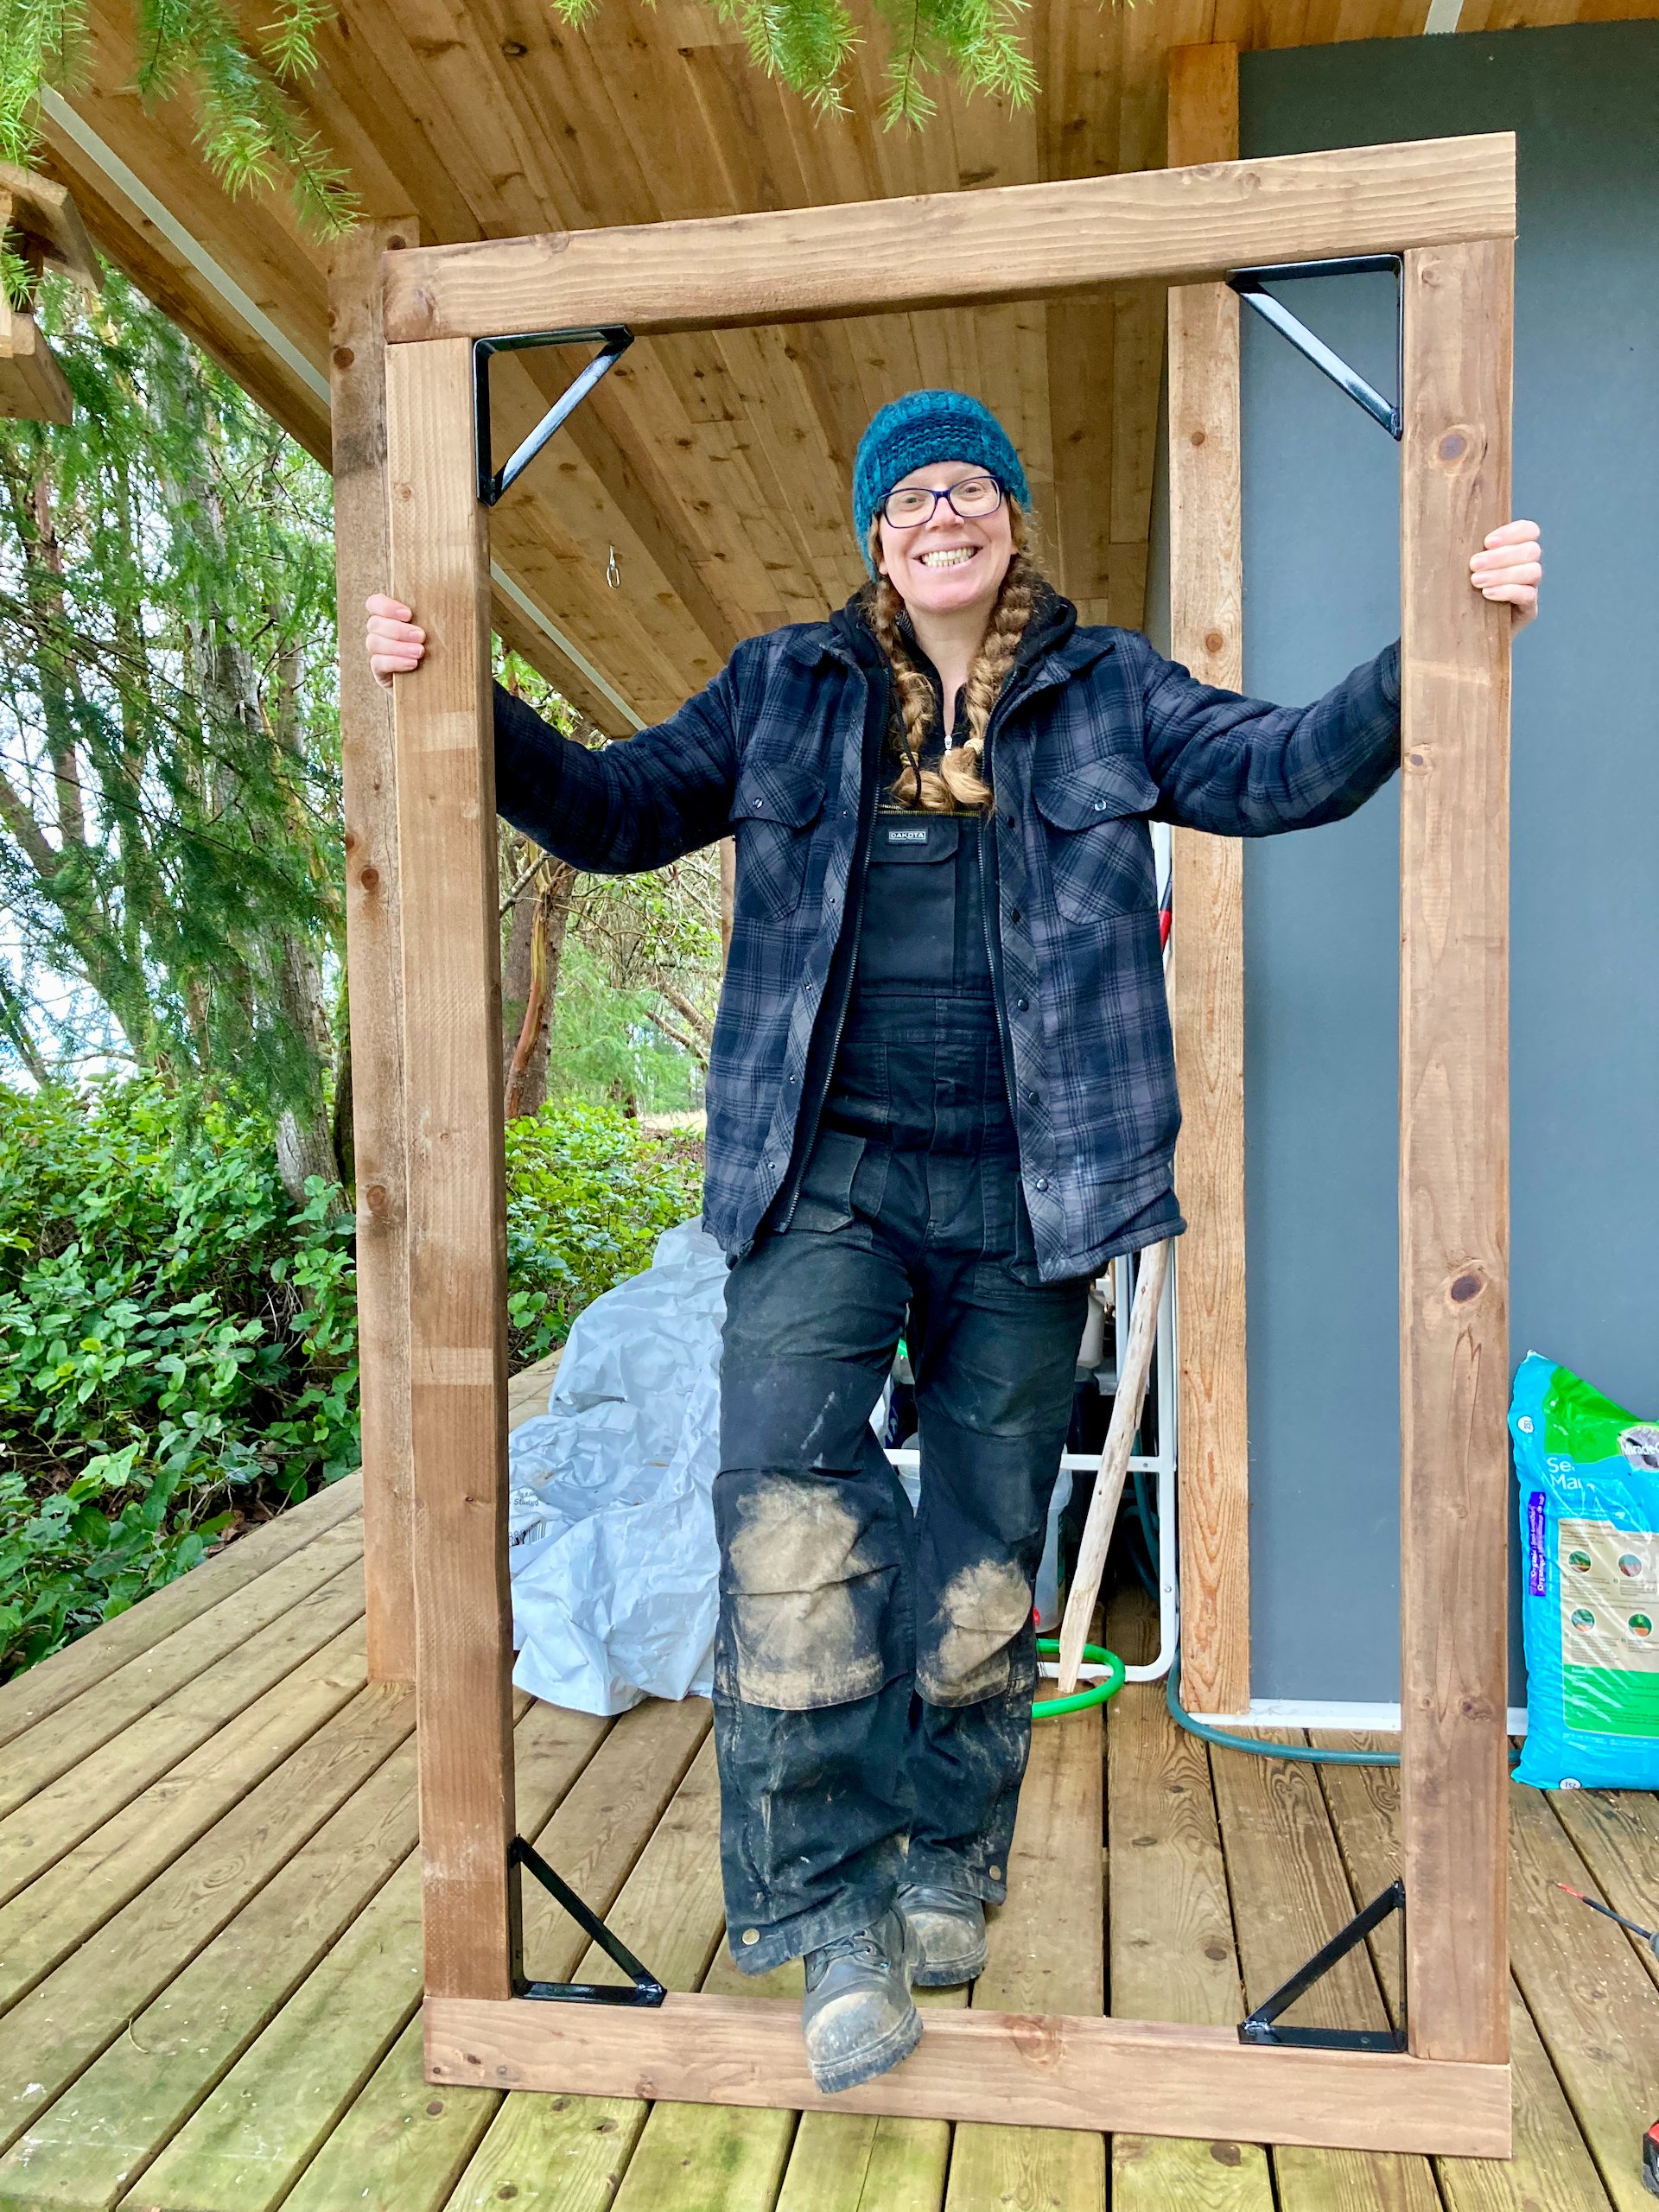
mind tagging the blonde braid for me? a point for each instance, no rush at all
(912, 695)
(957, 785)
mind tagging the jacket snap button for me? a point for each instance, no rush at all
(1022, 1004)
(1042, 1182)
(758, 804)
(751, 1935)
(1100, 806)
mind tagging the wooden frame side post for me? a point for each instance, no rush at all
(457, 1208)
(357, 377)
(1454, 1152)
(1207, 943)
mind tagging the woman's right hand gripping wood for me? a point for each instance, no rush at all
(396, 642)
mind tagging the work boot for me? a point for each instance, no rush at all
(857, 2016)
(947, 1929)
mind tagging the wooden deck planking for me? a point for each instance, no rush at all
(56, 1818)
(39, 1754)
(29, 1697)
(1047, 1955)
(211, 1990)
(668, 1913)
(1593, 2002)
(99, 2137)
(69, 1903)
(1551, 2170)
(1290, 1895)
(245, 2145)
(405, 2144)
(62, 2026)
(1170, 1923)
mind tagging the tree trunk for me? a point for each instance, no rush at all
(542, 935)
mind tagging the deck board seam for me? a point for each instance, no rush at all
(111, 1806)
(8, 2140)
(16, 1692)
(88, 1697)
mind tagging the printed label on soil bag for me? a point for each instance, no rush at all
(1589, 1504)
(1537, 1552)
(1610, 1597)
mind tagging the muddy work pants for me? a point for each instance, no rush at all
(873, 1669)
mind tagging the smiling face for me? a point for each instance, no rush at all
(953, 565)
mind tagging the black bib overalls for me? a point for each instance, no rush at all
(875, 1669)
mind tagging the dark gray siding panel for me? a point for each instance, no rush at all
(1321, 506)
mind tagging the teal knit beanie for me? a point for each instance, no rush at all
(915, 431)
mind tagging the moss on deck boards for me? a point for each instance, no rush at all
(209, 1944)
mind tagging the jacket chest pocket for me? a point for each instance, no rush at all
(1099, 849)
(774, 809)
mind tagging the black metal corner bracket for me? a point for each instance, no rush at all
(1251, 285)
(1261, 2026)
(612, 341)
(644, 1986)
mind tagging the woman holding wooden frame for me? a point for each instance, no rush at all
(1447, 208)
(942, 1097)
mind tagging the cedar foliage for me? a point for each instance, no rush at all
(253, 129)
(168, 786)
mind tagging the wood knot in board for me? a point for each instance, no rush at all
(1467, 1286)
(1416, 760)
(344, 357)
(1213, 641)
(512, 49)
(375, 1198)
(435, 2107)
(1036, 2035)
(369, 878)
(396, 245)
(1225, 2154)
(1197, 437)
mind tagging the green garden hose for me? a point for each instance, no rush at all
(1052, 1708)
(1304, 1754)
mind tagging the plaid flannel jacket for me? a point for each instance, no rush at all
(1094, 735)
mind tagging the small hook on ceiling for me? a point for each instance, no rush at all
(612, 573)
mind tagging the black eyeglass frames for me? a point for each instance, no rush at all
(914, 504)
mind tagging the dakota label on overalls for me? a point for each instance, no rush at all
(915, 841)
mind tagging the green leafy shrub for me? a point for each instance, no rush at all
(178, 1342)
(177, 1347)
(589, 1194)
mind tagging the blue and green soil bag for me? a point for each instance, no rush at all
(1589, 1476)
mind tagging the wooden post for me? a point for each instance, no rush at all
(457, 1206)
(1207, 943)
(357, 375)
(1454, 1151)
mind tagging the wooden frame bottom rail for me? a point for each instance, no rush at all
(1026, 2069)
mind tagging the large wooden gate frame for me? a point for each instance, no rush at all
(1448, 207)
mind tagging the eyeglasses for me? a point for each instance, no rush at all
(913, 504)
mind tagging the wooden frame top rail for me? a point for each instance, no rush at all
(951, 249)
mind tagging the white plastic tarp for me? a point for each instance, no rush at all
(613, 1561)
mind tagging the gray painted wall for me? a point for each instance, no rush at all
(1321, 570)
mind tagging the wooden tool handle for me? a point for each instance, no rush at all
(1114, 1463)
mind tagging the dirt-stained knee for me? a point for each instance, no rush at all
(805, 1611)
(964, 1651)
